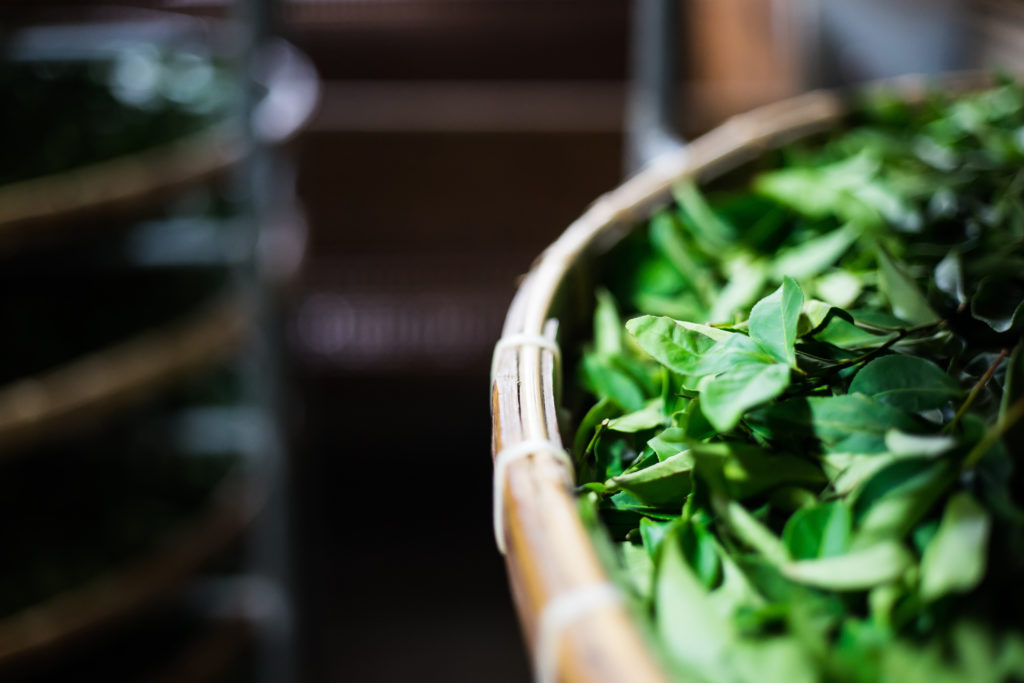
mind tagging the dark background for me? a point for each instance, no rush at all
(445, 156)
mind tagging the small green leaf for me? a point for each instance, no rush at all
(713, 333)
(672, 345)
(908, 382)
(601, 411)
(820, 531)
(857, 570)
(999, 303)
(710, 230)
(737, 349)
(648, 417)
(813, 314)
(742, 470)
(696, 635)
(607, 325)
(639, 569)
(901, 443)
(653, 533)
(839, 288)
(662, 484)
(602, 376)
(726, 397)
(669, 442)
(815, 255)
(698, 548)
(745, 280)
(949, 276)
(954, 561)
(890, 503)
(667, 239)
(773, 321)
(842, 333)
(904, 296)
(853, 423)
(751, 532)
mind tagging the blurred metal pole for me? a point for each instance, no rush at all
(268, 553)
(650, 109)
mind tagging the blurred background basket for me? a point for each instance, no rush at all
(136, 436)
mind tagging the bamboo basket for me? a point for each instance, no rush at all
(550, 556)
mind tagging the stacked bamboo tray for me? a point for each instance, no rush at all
(125, 430)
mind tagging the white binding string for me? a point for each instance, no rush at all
(501, 462)
(523, 339)
(561, 613)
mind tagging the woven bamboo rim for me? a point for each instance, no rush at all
(549, 552)
(98, 384)
(51, 207)
(110, 599)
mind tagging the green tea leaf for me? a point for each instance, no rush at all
(955, 559)
(949, 276)
(741, 470)
(999, 303)
(653, 533)
(907, 382)
(713, 333)
(726, 355)
(751, 532)
(650, 416)
(856, 570)
(853, 423)
(745, 280)
(672, 345)
(820, 531)
(839, 288)
(607, 325)
(698, 548)
(664, 483)
(707, 227)
(696, 635)
(901, 443)
(844, 334)
(816, 255)
(773, 321)
(891, 502)
(726, 397)
(906, 299)
(601, 411)
(606, 379)
(667, 238)
(669, 442)
(639, 569)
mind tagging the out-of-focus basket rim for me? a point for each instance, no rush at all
(45, 406)
(111, 598)
(549, 552)
(49, 207)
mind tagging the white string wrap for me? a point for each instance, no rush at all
(523, 339)
(501, 462)
(561, 613)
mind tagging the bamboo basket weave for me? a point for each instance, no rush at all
(549, 554)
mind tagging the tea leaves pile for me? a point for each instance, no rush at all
(806, 400)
